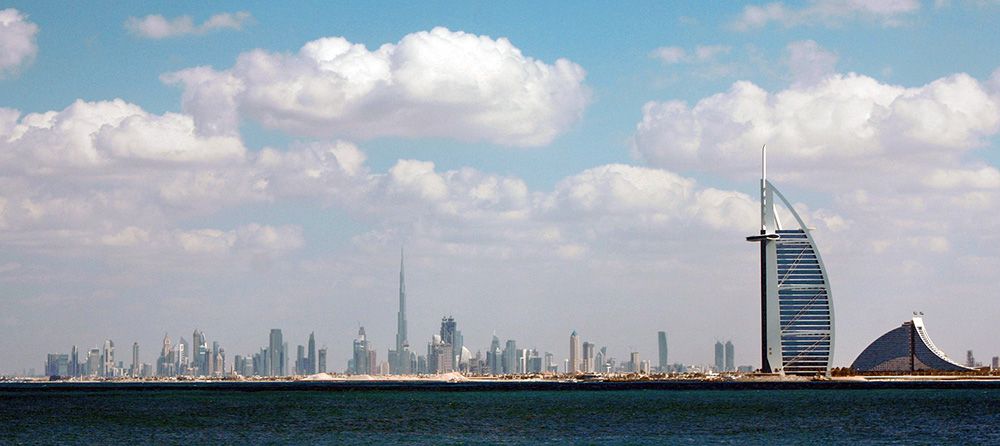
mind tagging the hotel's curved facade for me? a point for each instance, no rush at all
(907, 348)
(796, 305)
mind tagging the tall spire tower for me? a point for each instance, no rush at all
(402, 345)
(796, 308)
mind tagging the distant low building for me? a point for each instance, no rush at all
(907, 348)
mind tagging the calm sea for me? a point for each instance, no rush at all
(485, 414)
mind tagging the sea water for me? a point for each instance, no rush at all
(484, 414)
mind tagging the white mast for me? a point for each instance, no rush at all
(763, 189)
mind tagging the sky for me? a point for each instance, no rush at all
(548, 167)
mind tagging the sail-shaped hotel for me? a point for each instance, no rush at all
(797, 331)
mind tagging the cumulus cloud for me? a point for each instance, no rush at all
(826, 12)
(96, 134)
(17, 40)
(156, 26)
(436, 83)
(842, 122)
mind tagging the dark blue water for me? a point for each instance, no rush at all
(497, 415)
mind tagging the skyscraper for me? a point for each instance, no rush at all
(93, 361)
(184, 360)
(361, 355)
(494, 357)
(449, 345)
(321, 362)
(300, 360)
(661, 337)
(74, 362)
(108, 358)
(730, 361)
(311, 360)
(276, 354)
(588, 358)
(720, 357)
(136, 367)
(197, 352)
(574, 353)
(400, 358)
(797, 332)
(57, 364)
(510, 357)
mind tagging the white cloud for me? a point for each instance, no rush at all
(96, 134)
(156, 26)
(985, 177)
(669, 54)
(843, 122)
(436, 83)
(700, 53)
(827, 13)
(709, 52)
(809, 62)
(17, 40)
(253, 238)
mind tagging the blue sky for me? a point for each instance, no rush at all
(907, 144)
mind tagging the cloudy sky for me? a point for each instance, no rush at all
(166, 167)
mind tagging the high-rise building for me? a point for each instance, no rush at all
(311, 360)
(663, 365)
(448, 330)
(184, 356)
(588, 358)
(108, 358)
(74, 362)
(970, 359)
(720, 357)
(510, 357)
(300, 360)
(57, 364)
(601, 360)
(494, 357)
(198, 347)
(399, 359)
(93, 362)
(285, 369)
(633, 363)
(730, 360)
(361, 354)
(218, 360)
(136, 366)
(797, 328)
(995, 365)
(439, 355)
(276, 354)
(574, 353)
(321, 362)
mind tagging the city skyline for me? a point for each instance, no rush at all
(237, 168)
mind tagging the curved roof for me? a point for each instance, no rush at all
(906, 348)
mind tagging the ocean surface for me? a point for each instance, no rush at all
(483, 413)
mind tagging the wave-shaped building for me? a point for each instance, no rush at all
(907, 348)
(797, 330)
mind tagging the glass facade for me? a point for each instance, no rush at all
(803, 305)
(906, 348)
